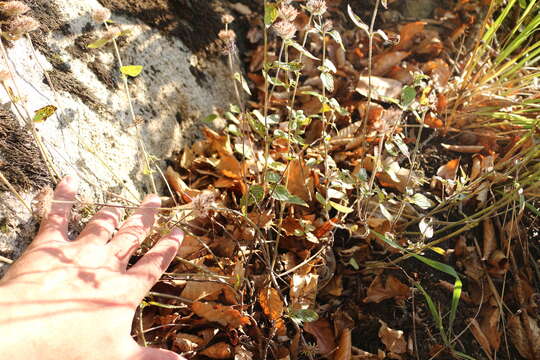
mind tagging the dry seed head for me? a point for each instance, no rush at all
(13, 8)
(203, 203)
(4, 75)
(228, 37)
(316, 7)
(284, 29)
(22, 25)
(101, 15)
(227, 19)
(287, 13)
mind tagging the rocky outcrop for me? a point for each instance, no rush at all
(92, 134)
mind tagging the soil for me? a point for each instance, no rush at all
(194, 22)
(20, 160)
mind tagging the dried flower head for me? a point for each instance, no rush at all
(203, 203)
(287, 12)
(13, 8)
(328, 26)
(42, 202)
(101, 15)
(316, 7)
(227, 19)
(284, 29)
(229, 39)
(22, 25)
(4, 75)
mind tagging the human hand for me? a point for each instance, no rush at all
(75, 299)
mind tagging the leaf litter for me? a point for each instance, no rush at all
(370, 220)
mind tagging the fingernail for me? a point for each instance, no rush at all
(177, 233)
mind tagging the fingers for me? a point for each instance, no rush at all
(158, 354)
(134, 230)
(102, 225)
(55, 225)
(147, 271)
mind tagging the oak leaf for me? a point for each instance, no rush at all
(271, 303)
(220, 350)
(392, 288)
(323, 332)
(525, 335)
(394, 340)
(223, 315)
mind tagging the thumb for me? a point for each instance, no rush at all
(158, 354)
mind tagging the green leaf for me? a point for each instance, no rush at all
(210, 119)
(340, 208)
(98, 43)
(356, 20)
(337, 37)
(300, 48)
(131, 70)
(255, 194)
(44, 113)
(281, 193)
(328, 81)
(273, 177)
(408, 94)
(242, 82)
(330, 65)
(354, 264)
(270, 14)
(304, 315)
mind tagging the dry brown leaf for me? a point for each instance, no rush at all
(498, 263)
(344, 350)
(394, 340)
(439, 71)
(303, 290)
(490, 242)
(407, 34)
(290, 224)
(380, 290)
(271, 303)
(381, 87)
(480, 336)
(298, 181)
(383, 62)
(198, 290)
(449, 170)
(187, 342)
(191, 245)
(433, 121)
(324, 334)
(525, 335)
(490, 324)
(230, 167)
(220, 350)
(224, 315)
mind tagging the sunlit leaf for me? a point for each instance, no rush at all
(422, 201)
(131, 70)
(302, 50)
(281, 193)
(240, 78)
(270, 14)
(356, 19)
(341, 208)
(44, 113)
(304, 315)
